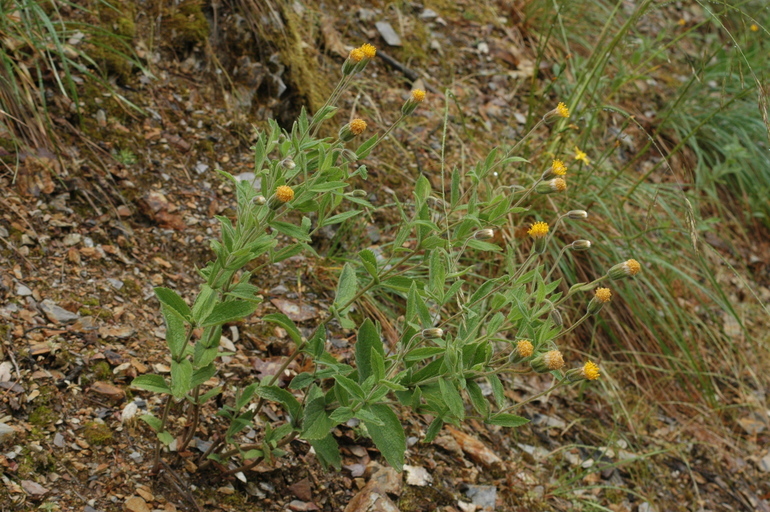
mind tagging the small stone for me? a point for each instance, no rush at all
(302, 489)
(6, 433)
(645, 507)
(416, 475)
(56, 313)
(116, 283)
(108, 390)
(72, 239)
(483, 496)
(58, 440)
(23, 291)
(428, 14)
(764, 464)
(101, 118)
(136, 457)
(302, 506)
(388, 34)
(475, 449)
(135, 504)
(33, 488)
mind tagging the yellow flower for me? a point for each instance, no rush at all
(681, 22)
(357, 126)
(418, 95)
(284, 194)
(558, 184)
(754, 27)
(562, 110)
(554, 360)
(603, 295)
(558, 168)
(524, 348)
(580, 155)
(369, 50)
(590, 371)
(538, 230)
(357, 55)
(626, 269)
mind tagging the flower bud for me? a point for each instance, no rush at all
(556, 318)
(580, 245)
(626, 269)
(561, 110)
(557, 169)
(601, 297)
(288, 163)
(260, 200)
(551, 186)
(283, 195)
(415, 98)
(577, 214)
(433, 333)
(358, 193)
(523, 351)
(538, 232)
(547, 362)
(589, 371)
(352, 129)
(484, 234)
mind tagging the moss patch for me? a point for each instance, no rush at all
(97, 434)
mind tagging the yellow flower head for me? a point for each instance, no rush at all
(603, 295)
(632, 267)
(369, 50)
(558, 184)
(754, 27)
(590, 371)
(580, 155)
(418, 95)
(538, 230)
(284, 194)
(357, 55)
(357, 126)
(558, 168)
(562, 110)
(554, 360)
(524, 348)
(681, 22)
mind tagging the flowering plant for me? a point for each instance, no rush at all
(458, 329)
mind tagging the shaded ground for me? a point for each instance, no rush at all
(130, 207)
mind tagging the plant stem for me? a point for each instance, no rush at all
(164, 419)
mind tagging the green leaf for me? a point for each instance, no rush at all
(152, 421)
(346, 288)
(154, 383)
(477, 398)
(204, 303)
(422, 189)
(209, 395)
(327, 186)
(245, 396)
(283, 397)
(176, 331)
(230, 311)
(393, 385)
(301, 381)
(317, 344)
(171, 299)
(368, 339)
(285, 322)
(340, 217)
(291, 230)
(480, 245)
(287, 252)
(201, 375)
(368, 417)
(508, 420)
(181, 377)
(341, 415)
(433, 429)
(165, 437)
(327, 451)
(365, 148)
(497, 389)
(369, 261)
(351, 386)
(419, 354)
(316, 423)
(389, 438)
(452, 398)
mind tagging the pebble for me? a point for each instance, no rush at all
(135, 504)
(23, 291)
(484, 496)
(764, 464)
(56, 313)
(72, 239)
(6, 433)
(116, 283)
(646, 507)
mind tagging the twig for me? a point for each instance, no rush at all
(409, 73)
(186, 494)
